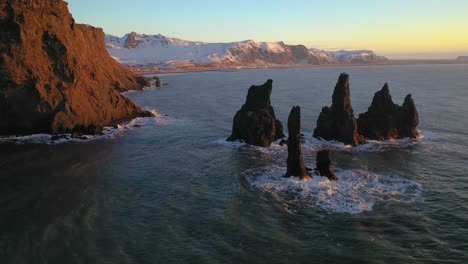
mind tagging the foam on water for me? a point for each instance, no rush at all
(356, 191)
(311, 143)
(231, 144)
(107, 132)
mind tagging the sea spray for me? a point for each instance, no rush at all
(356, 191)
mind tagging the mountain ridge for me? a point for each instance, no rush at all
(165, 52)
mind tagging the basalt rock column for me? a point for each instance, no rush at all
(408, 119)
(256, 123)
(324, 165)
(295, 163)
(337, 122)
(386, 120)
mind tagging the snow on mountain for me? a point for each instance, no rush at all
(356, 56)
(165, 52)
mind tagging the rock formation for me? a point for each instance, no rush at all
(337, 122)
(157, 81)
(256, 123)
(295, 163)
(324, 165)
(56, 75)
(386, 120)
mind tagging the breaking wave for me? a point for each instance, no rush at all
(311, 143)
(107, 132)
(356, 191)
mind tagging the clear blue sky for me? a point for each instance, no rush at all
(396, 28)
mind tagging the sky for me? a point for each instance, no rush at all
(398, 29)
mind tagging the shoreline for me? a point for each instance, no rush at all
(259, 67)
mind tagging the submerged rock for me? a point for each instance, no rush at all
(56, 74)
(337, 122)
(386, 120)
(324, 165)
(256, 123)
(295, 163)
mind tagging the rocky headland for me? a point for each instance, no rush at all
(55, 75)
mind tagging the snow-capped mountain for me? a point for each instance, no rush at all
(165, 52)
(355, 56)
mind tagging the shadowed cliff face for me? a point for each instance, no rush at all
(295, 163)
(256, 123)
(387, 120)
(324, 165)
(337, 122)
(55, 74)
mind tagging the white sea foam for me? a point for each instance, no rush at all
(311, 143)
(107, 133)
(231, 144)
(356, 191)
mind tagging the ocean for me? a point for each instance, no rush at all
(170, 189)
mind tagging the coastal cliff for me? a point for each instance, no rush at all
(56, 75)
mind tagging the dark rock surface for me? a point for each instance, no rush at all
(324, 165)
(56, 74)
(295, 163)
(143, 81)
(80, 130)
(386, 120)
(256, 123)
(157, 81)
(337, 122)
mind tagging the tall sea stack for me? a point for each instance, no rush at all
(295, 163)
(256, 123)
(56, 75)
(337, 122)
(386, 120)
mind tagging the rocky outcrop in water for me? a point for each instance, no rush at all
(295, 163)
(337, 122)
(256, 123)
(56, 75)
(324, 166)
(157, 81)
(386, 120)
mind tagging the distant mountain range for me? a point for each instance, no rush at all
(160, 51)
(462, 58)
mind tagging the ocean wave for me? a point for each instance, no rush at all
(107, 132)
(356, 191)
(311, 143)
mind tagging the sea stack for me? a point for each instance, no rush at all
(337, 122)
(386, 120)
(295, 163)
(157, 81)
(324, 166)
(56, 75)
(256, 123)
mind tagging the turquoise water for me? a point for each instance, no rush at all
(173, 190)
